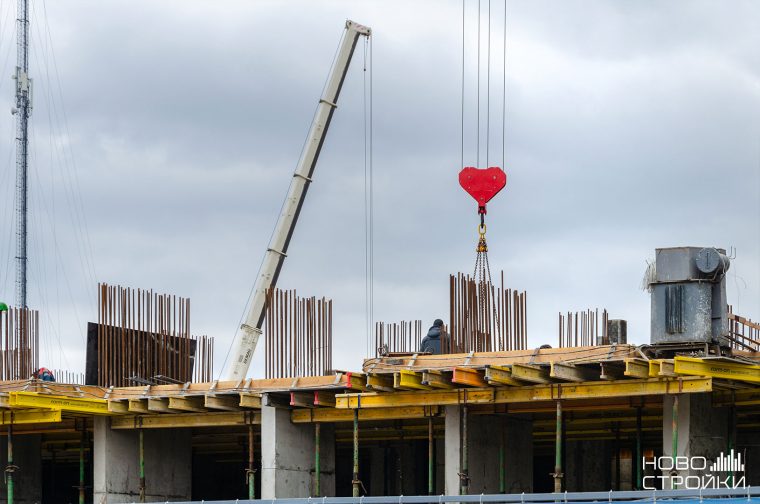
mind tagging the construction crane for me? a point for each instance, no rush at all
(249, 332)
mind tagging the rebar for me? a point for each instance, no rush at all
(145, 337)
(19, 343)
(485, 317)
(584, 328)
(297, 335)
(743, 333)
(397, 337)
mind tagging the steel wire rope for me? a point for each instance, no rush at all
(488, 89)
(504, 95)
(477, 152)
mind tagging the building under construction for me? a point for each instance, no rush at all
(504, 419)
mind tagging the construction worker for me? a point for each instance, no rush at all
(43, 374)
(432, 342)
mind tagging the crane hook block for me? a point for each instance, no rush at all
(482, 183)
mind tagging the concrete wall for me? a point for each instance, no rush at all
(287, 456)
(27, 480)
(587, 466)
(702, 429)
(484, 437)
(168, 464)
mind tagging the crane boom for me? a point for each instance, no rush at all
(249, 332)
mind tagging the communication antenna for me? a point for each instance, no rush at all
(22, 111)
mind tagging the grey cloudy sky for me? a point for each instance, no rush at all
(173, 128)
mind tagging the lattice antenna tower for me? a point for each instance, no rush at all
(22, 111)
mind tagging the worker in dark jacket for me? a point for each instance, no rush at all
(432, 342)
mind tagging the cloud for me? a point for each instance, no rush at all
(628, 127)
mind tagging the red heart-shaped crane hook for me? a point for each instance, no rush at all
(482, 183)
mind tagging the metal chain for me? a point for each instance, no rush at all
(482, 275)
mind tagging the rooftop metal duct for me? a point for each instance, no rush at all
(688, 288)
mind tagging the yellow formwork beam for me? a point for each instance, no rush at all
(409, 380)
(501, 375)
(180, 420)
(8, 417)
(88, 405)
(636, 368)
(551, 392)
(717, 369)
(345, 415)
(531, 373)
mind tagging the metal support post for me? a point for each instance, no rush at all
(251, 471)
(502, 469)
(82, 441)
(355, 483)
(317, 465)
(617, 456)
(675, 433)
(431, 457)
(639, 454)
(464, 476)
(142, 465)
(10, 468)
(558, 451)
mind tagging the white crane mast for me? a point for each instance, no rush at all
(248, 334)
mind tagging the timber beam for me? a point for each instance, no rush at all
(551, 392)
(179, 420)
(382, 382)
(86, 405)
(531, 373)
(437, 379)
(250, 401)
(501, 375)
(331, 415)
(193, 404)
(222, 402)
(409, 380)
(138, 406)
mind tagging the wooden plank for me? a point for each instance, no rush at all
(120, 407)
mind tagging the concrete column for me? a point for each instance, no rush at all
(287, 456)
(168, 463)
(702, 430)
(27, 456)
(484, 435)
(587, 466)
